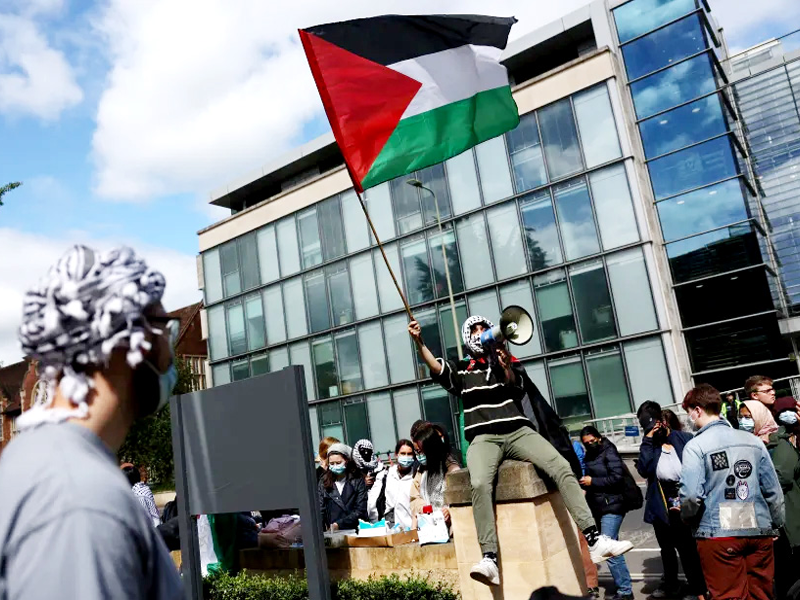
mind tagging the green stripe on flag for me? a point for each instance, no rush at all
(434, 136)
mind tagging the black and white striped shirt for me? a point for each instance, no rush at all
(491, 405)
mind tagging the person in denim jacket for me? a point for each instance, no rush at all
(731, 497)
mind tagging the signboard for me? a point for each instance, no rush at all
(631, 431)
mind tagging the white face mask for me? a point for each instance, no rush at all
(788, 418)
(747, 424)
(693, 422)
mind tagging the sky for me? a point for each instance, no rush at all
(120, 117)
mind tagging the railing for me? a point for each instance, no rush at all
(764, 51)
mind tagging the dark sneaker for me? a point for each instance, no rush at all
(619, 596)
(666, 591)
(594, 593)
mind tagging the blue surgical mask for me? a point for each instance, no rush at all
(337, 469)
(747, 424)
(788, 418)
(423, 460)
(166, 383)
(405, 461)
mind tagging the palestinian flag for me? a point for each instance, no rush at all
(403, 93)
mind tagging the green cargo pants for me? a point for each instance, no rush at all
(484, 456)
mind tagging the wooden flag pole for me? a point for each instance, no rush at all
(383, 253)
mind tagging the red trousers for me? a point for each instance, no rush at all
(738, 568)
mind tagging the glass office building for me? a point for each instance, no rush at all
(618, 234)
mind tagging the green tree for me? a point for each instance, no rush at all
(7, 188)
(149, 442)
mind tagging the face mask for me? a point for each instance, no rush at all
(423, 460)
(405, 461)
(151, 377)
(337, 469)
(788, 418)
(747, 424)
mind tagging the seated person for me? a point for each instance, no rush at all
(342, 492)
(491, 386)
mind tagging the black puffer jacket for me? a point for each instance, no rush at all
(604, 495)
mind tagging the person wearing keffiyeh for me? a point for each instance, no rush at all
(104, 347)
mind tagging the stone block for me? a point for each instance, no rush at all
(516, 480)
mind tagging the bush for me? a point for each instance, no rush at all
(294, 587)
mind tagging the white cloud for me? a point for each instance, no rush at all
(35, 78)
(26, 257)
(203, 91)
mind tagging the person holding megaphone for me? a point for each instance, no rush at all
(491, 384)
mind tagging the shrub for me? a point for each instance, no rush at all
(294, 587)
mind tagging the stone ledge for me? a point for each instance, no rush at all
(516, 481)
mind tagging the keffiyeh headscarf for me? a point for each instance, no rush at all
(88, 304)
(473, 342)
(364, 455)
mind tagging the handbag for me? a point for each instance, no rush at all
(632, 498)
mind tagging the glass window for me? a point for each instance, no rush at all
(463, 180)
(240, 369)
(259, 364)
(676, 85)
(485, 305)
(474, 248)
(406, 409)
(596, 125)
(607, 382)
(229, 259)
(701, 210)
(541, 234)
(267, 254)
(693, 122)
(217, 333)
(555, 311)
(332, 228)
(237, 337)
(526, 154)
(295, 307)
(365, 294)
(429, 324)
(614, 207)
(417, 270)
(212, 276)
(398, 343)
(575, 215)
(325, 367)
(647, 370)
(300, 354)
(664, 47)
(631, 288)
(640, 16)
(569, 391)
(348, 362)
(437, 262)
(221, 374)
(538, 375)
(317, 299)
(381, 422)
(405, 199)
(314, 422)
(373, 357)
(433, 178)
(506, 241)
(560, 139)
(355, 224)
(592, 301)
(690, 168)
(255, 322)
(387, 292)
(273, 307)
(341, 296)
(436, 403)
(330, 417)
(249, 256)
(310, 243)
(379, 204)
(493, 169)
(451, 332)
(355, 418)
(519, 294)
(287, 247)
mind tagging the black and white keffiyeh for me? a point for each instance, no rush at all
(88, 304)
(473, 342)
(145, 497)
(364, 456)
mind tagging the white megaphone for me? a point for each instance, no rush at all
(516, 326)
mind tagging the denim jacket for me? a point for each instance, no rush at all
(729, 487)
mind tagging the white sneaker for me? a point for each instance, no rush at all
(605, 548)
(486, 572)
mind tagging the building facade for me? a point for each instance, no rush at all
(595, 217)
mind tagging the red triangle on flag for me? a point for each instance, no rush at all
(364, 100)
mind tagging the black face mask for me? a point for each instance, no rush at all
(593, 449)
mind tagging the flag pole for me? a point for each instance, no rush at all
(383, 253)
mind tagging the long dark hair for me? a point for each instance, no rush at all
(435, 448)
(350, 472)
(671, 419)
(401, 443)
(591, 430)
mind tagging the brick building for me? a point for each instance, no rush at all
(190, 345)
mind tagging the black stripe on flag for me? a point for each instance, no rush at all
(390, 39)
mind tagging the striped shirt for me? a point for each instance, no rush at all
(145, 497)
(491, 405)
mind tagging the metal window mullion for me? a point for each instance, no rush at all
(548, 177)
(731, 320)
(677, 106)
(581, 153)
(669, 66)
(689, 146)
(695, 189)
(604, 263)
(659, 28)
(686, 237)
